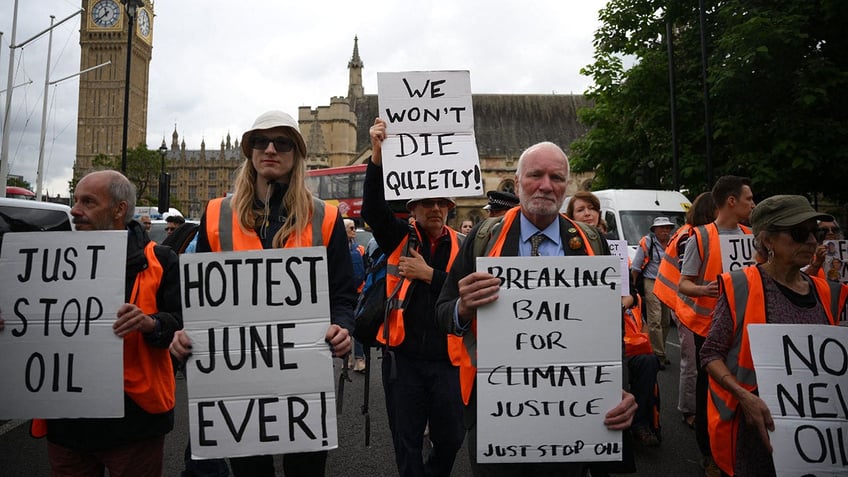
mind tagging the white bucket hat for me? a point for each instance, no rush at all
(661, 221)
(269, 120)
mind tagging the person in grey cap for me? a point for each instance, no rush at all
(499, 202)
(420, 383)
(271, 207)
(773, 292)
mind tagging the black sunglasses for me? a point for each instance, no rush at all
(799, 233)
(832, 230)
(281, 144)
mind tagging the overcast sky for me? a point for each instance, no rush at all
(218, 64)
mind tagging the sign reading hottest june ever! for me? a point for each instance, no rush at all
(430, 150)
(260, 377)
(60, 293)
(549, 360)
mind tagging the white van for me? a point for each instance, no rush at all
(629, 213)
(19, 215)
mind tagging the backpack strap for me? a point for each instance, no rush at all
(593, 235)
(484, 235)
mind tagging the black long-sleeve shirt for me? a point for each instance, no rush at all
(423, 340)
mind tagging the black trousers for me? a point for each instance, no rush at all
(304, 464)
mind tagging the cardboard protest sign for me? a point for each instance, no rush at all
(619, 249)
(801, 376)
(260, 377)
(60, 293)
(549, 360)
(836, 260)
(430, 150)
(737, 251)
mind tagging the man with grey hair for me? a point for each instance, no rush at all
(536, 228)
(132, 445)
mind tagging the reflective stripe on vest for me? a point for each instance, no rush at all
(225, 233)
(694, 312)
(148, 373)
(396, 331)
(646, 251)
(668, 276)
(463, 349)
(746, 303)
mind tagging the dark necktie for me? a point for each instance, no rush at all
(535, 241)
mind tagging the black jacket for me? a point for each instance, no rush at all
(423, 340)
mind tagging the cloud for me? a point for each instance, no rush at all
(217, 65)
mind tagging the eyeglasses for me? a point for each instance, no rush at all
(829, 230)
(147, 223)
(429, 203)
(281, 144)
(799, 233)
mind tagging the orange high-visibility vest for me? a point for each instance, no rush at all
(396, 330)
(746, 303)
(463, 349)
(225, 233)
(636, 341)
(694, 312)
(148, 372)
(668, 276)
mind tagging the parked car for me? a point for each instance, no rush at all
(19, 215)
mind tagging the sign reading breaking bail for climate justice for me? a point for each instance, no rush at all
(260, 377)
(430, 150)
(737, 251)
(549, 360)
(60, 293)
(801, 376)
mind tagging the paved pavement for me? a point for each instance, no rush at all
(20, 455)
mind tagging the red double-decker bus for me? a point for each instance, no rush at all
(340, 186)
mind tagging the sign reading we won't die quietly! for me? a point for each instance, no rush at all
(260, 377)
(549, 360)
(801, 376)
(60, 293)
(737, 251)
(430, 150)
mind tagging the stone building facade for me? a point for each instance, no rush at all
(337, 135)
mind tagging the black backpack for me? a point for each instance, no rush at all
(370, 311)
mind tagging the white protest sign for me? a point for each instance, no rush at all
(549, 360)
(430, 150)
(801, 376)
(60, 293)
(737, 251)
(619, 249)
(260, 377)
(836, 260)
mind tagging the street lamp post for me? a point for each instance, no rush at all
(164, 183)
(130, 6)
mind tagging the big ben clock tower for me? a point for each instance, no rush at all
(103, 37)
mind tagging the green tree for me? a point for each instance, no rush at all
(143, 167)
(14, 181)
(778, 80)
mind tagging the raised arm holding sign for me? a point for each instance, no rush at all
(429, 144)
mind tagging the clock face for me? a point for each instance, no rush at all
(144, 23)
(105, 13)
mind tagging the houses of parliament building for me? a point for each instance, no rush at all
(335, 134)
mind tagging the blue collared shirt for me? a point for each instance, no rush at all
(548, 248)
